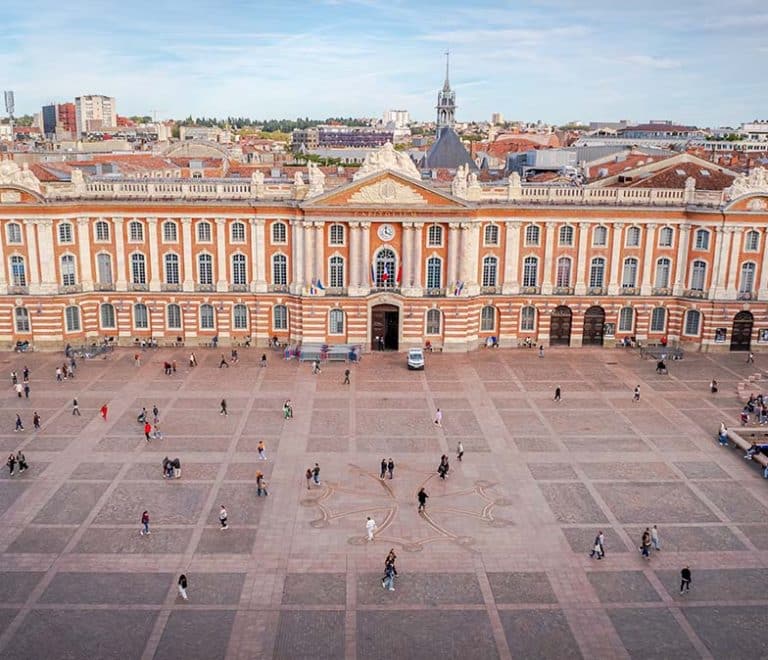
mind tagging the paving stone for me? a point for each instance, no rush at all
(127, 540)
(108, 588)
(105, 471)
(622, 587)
(582, 539)
(541, 634)
(154, 472)
(196, 634)
(737, 584)
(397, 445)
(534, 444)
(635, 502)
(572, 503)
(72, 503)
(15, 586)
(521, 588)
(627, 471)
(701, 470)
(553, 472)
(651, 634)
(730, 631)
(673, 443)
(232, 541)
(733, 500)
(7, 615)
(309, 635)
(693, 538)
(243, 506)
(431, 589)
(42, 540)
(10, 491)
(251, 443)
(315, 589)
(757, 534)
(167, 503)
(616, 444)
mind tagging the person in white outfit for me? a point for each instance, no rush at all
(370, 526)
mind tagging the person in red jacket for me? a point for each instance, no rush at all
(147, 430)
(104, 410)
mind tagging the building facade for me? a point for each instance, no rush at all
(95, 112)
(383, 255)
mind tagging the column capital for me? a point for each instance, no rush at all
(365, 225)
(550, 224)
(186, 221)
(45, 222)
(619, 225)
(152, 221)
(220, 221)
(513, 224)
(353, 224)
(257, 222)
(454, 226)
(652, 225)
(83, 222)
(583, 226)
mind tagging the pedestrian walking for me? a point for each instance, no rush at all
(685, 579)
(183, 586)
(346, 377)
(443, 468)
(389, 577)
(223, 410)
(26, 389)
(260, 483)
(316, 474)
(36, 421)
(636, 394)
(597, 550)
(261, 448)
(155, 414)
(144, 523)
(713, 386)
(541, 351)
(223, 362)
(14, 377)
(21, 461)
(173, 366)
(391, 468)
(601, 541)
(370, 527)
(147, 430)
(557, 394)
(19, 389)
(103, 411)
(25, 372)
(223, 517)
(308, 476)
(137, 359)
(751, 358)
(459, 451)
(11, 463)
(263, 362)
(58, 374)
(192, 360)
(233, 356)
(316, 367)
(422, 497)
(383, 468)
(439, 417)
(75, 407)
(645, 544)
(722, 436)
(287, 409)
(655, 538)
(19, 425)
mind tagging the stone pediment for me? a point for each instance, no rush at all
(385, 189)
(746, 184)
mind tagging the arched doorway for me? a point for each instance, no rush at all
(560, 326)
(594, 324)
(741, 334)
(385, 325)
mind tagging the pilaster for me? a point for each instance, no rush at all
(511, 283)
(221, 255)
(121, 283)
(580, 287)
(650, 241)
(297, 243)
(616, 260)
(681, 265)
(188, 284)
(454, 236)
(549, 254)
(258, 256)
(84, 247)
(470, 245)
(47, 257)
(154, 257)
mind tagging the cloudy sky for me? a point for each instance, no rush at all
(693, 61)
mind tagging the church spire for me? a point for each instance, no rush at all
(446, 101)
(447, 84)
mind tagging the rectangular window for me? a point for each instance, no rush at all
(174, 317)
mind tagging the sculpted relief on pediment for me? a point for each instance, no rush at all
(387, 192)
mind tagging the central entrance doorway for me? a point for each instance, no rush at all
(560, 326)
(594, 324)
(741, 333)
(385, 324)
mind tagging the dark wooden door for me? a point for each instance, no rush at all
(594, 324)
(741, 333)
(385, 320)
(560, 326)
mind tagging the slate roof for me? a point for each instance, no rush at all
(448, 153)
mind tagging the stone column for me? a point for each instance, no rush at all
(3, 265)
(417, 268)
(353, 282)
(258, 256)
(736, 238)
(406, 250)
(309, 254)
(511, 283)
(297, 243)
(549, 255)
(188, 283)
(33, 273)
(616, 261)
(681, 265)
(470, 246)
(580, 288)
(49, 281)
(121, 283)
(365, 262)
(720, 265)
(221, 255)
(454, 236)
(154, 257)
(320, 255)
(84, 247)
(650, 239)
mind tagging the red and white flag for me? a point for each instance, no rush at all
(385, 274)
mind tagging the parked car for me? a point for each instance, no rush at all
(416, 358)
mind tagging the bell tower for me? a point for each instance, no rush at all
(446, 101)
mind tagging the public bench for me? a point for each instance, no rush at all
(328, 352)
(743, 440)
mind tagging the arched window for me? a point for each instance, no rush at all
(102, 231)
(68, 277)
(633, 237)
(336, 272)
(203, 231)
(104, 268)
(207, 318)
(532, 235)
(747, 282)
(752, 241)
(237, 232)
(171, 261)
(433, 322)
(21, 317)
(107, 313)
(666, 236)
(566, 235)
(279, 233)
(491, 235)
(170, 232)
(280, 317)
(385, 268)
(434, 271)
(140, 316)
(72, 318)
(205, 269)
(336, 234)
(336, 322)
(658, 319)
(563, 272)
(626, 319)
(135, 232)
(239, 273)
(702, 239)
(663, 268)
(240, 317)
(279, 270)
(528, 319)
(530, 271)
(600, 236)
(488, 318)
(435, 236)
(13, 232)
(597, 273)
(698, 275)
(490, 271)
(18, 271)
(629, 278)
(173, 314)
(65, 233)
(138, 268)
(692, 322)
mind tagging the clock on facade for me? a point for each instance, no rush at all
(386, 232)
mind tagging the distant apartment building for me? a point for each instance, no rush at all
(341, 136)
(661, 130)
(756, 131)
(497, 118)
(209, 133)
(49, 119)
(67, 117)
(95, 112)
(396, 118)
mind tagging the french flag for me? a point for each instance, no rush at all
(385, 274)
(399, 274)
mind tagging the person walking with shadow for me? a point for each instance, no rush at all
(422, 497)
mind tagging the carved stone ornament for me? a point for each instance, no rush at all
(316, 180)
(11, 173)
(387, 192)
(386, 158)
(758, 204)
(744, 184)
